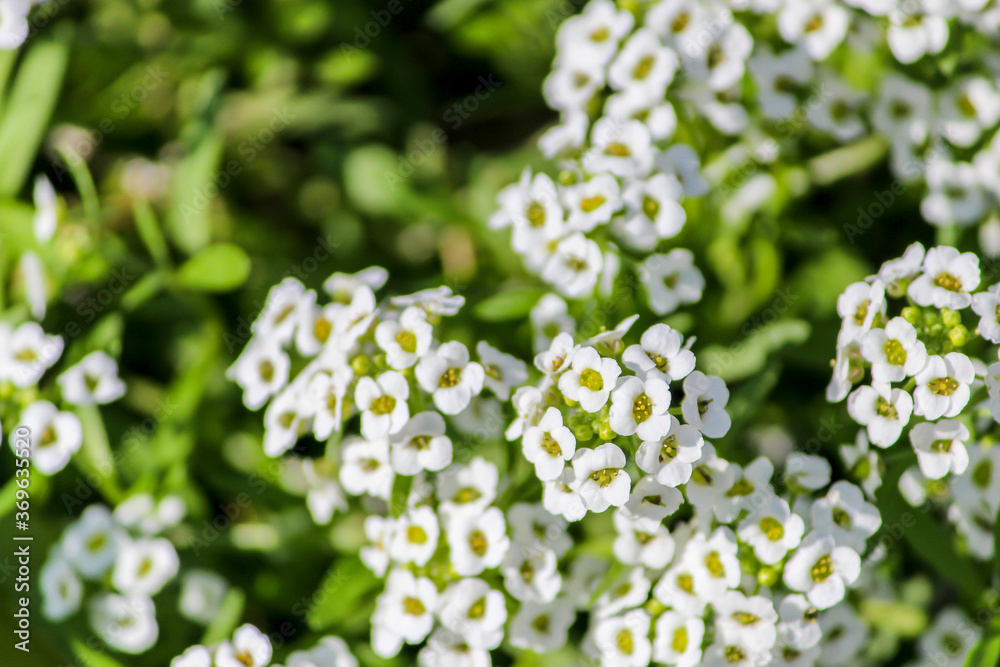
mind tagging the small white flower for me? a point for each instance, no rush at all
(592, 203)
(53, 436)
(948, 278)
(502, 371)
(819, 25)
(680, 589)
(672, 457)
(575, 266)
(26, 353)
(342, 286)
(639, 407)
(195, 656)
(903, 111)
(46, 209)
(671, 280)
(660, 352)
(435, 301)
(987, 306)
(573, 83)
(777, 77)
(950, 639)
(895, 352)
(383, 406)
(597, 29)
(405, 340)
(940, 447)
(711, 479)
(772, 530)
(470, 608)
(589, 379)
(93, 380)
(14, 27)
(94, 539)
(325, 393)
(283, 420)
(799, 628)
(839, 109)
(415, 536)
(127, 624)
(550, 319)
(532, 527)
(531, 574)
(644, 63)
(943, 386)
(642, 541)
(859, 305)
(355, 318)
(885, 412)
(407, 606)
(704, 404)
(623, 641)
(324, 495)
(621, 148)
(62, 589)
(202, 592)
(844, 635)
(542, 627)
(315, 324)
(804, 471)
(278, 319)
(477, 541)
(955, 194)
(752, 620)
(913, 35)
(468, 489)
(844, 514)
(261, 370)
(448, 374)
(863, 463)
(379, 531)
(750, 486)
(713, 562)
(548, 445)
(677, 639)
(822, 570)
(601, 478)
(561, 498)
(145, 566)
(970, 107)
(421, 445)
(366, 467)
(554, 359)
(652, 211)
(652, 500)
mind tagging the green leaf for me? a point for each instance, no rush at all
(95, 455)
(746, 357)
(195, 187)
(92, 657)
(26, 115)
(227, 618)
(218, 268)
(510, 305)
(986, 652)
(149, 232)
(84, 181)
(401, 486)
(345, 588)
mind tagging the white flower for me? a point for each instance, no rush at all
(46, 209)
(366, 467)
(839, 109)
(435, 301)
(660, 353)
(14, 28)
(885, 412)
(863, 464)
(672, 457)
(621, 148)
(652, 500)
(955, 194)
(548, 445)
(53, 436)
(415, 536)
(562, 499)
(704, 404)
(550, 319)
(261, 370)
(680, 589)
(531, 573)
(940, 447)
(575, 265)
(821, 570)
(467, 489)
(94, 540)
(592, 203)
(639, 407)
(26, 353)
(845, 514)
(202, 592)
(750, 486)
(126, 624)
(542, 627)
(329, 652)
(804, 471)
(62, 589)
(249, 648)
(355, 318)
(844, 635)
(35, 290)
(948, 278)
(711, 479)
(713, 562)
(903, 111)
(589, 379)
(573, 83)
(642, 541)
(859, 305)
(477, 541)
(752, 620)
(315, 324)
(671, 280)
(895, 352)
(448, 374)
(326, 392)
(383, 406)
(93, 380)
(195, 656)
(987, 306)
(677, 639)
(943, 386)
(277, 321)
(324, 495)
(502, 371)
(819, 25)
(623, 641)
(421, 445)
(553, 360)
(777, 76)
(912, 35)
(950, 639)
(283, 419)
(533, 527)
(970, 107)
(635, 103)
(142, 513)
(597, 30)
(799, 628)
(652, 211)
(405, 340)
(379, 531)
(910, 264)
(470, 608)
(601, 478)
(342, 286)
(772, 530)
(644, 63)
(407, 605)
(145, 566)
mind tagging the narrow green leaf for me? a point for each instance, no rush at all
(401, 486)
(226, 619)
(95, 455)
(218, 268)
(149, 232)
(510, 305)
(195, 187)
(347, 584)
(986, 652)
(92, 657)
(26, 114)
(84, 181)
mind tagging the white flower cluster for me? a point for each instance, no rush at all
(921, 369)
(123, 558)
(705, 589)
(249, 647)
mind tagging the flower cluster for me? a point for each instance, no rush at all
(249, 647)
(124, 561)
(703, 545)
